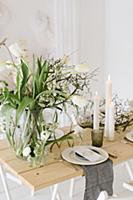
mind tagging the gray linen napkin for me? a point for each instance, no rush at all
(98, 177)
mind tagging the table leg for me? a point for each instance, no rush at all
(54, 192)
(58, 197)
(130, 172)
(5, 185)
(71, 187)
(53, 189)
(32, 193)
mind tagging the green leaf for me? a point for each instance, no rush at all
(25, 74)
(36, 79)
(39, 65)
(43, 75)
(18, 83)
(5, 94)
(24, 103)
(22, 79)
(13, 100)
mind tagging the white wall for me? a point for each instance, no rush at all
(57, 27)
(30, 22)
(119, 46)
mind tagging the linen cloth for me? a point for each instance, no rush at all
(98, 178)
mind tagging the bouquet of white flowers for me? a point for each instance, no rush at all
(48, 84)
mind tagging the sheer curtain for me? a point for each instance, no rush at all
(79, 33)
(67, 25)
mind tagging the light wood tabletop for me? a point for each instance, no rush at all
(55, 169)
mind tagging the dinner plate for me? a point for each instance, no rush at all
(58, 133)
(70, 155)
(129, 135)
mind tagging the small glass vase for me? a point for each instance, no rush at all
(84, 120)
(97, 138)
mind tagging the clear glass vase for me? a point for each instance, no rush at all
(25, 136)
(84, 120)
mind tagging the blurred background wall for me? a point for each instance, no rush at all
(96, 32)
(57, 27)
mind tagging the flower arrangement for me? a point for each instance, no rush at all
(47, 84)
(123, 114)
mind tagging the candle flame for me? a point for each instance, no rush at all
(96, 93)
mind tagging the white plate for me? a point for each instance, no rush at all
(129, 135)
(58, 133)
(70, 156)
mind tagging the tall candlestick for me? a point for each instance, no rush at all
(108, 100)
(111, 121)
(96, 111)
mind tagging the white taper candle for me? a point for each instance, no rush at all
(111, 121)
(108, 100)
(96, 111)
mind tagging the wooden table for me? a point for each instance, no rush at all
(55, 170)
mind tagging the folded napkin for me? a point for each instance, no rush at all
(98, 178)
(89, 154)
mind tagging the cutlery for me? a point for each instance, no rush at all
(113, 155)
(127, 140)
(94, 150)
(79, 155)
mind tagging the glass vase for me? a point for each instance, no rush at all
(25, 136)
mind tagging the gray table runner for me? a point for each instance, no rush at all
(98, 178)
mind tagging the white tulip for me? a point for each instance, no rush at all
(79, 101)
(7, 74)
(82, 68)
(26, 151)
(15, 50)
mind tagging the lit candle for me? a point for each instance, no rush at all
(108, 100)
(96, 111)
(111, 122)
